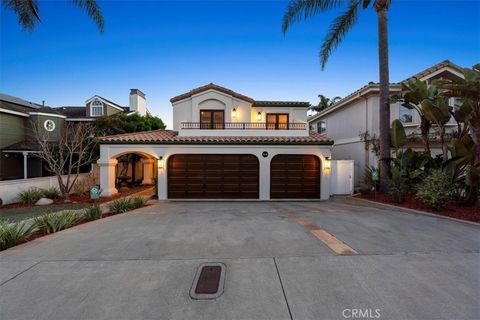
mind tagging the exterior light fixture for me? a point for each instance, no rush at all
(259, 116)
(327, 163)
(161, 163)
(234, 113)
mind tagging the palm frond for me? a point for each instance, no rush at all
(298, 9)
(26, 10)
(338, 29)
(93, 10)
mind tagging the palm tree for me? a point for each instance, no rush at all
(298, 9)
(28, 12)
(324, 103)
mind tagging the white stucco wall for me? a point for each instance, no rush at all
(188, 110)
(109, 152)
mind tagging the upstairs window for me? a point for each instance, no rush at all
(277, 121)
(321, 127)
(405, 115)
(212, 119)
(96, 109)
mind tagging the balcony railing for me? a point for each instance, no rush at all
(243, 126)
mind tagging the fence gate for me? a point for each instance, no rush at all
(341, 180)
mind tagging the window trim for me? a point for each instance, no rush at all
(95, 105)
(212, 117)
(319, 126)
(276, 126)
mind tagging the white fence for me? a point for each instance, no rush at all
(341, 180)
(10, 189)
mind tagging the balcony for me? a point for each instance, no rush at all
(241, 129)
(242, 126)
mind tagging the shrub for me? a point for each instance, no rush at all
(368, 185)
(54, 222)
(51, 193)
(120, 205)
(436, 189)
(13, 234)
(92, 213)
(138, 202)
(399, 186)
(30, 195)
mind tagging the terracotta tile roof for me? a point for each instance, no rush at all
(171, 137)
(208, 87)
(281, 104)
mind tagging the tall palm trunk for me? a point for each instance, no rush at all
(384, 97)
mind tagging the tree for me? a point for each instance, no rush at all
(75, 148)
(28, 12)
(299, 9)
(123, 123)
(324, 103)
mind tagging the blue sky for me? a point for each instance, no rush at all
(167, 48)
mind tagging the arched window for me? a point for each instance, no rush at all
(96, 109)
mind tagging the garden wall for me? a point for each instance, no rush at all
(10, 189)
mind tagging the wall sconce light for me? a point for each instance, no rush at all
(161, 163)
(259, 116)
(234, 113)
(327, 163)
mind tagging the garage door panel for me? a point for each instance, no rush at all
(213, 176)
(294, 177)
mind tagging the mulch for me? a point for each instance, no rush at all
(84, 198)
(451, 209)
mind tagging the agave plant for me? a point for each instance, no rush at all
(54, 222)
(12, 234)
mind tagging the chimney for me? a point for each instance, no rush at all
(138, 102)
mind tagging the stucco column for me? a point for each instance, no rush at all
(162, 179)
(107, 177)
(264, 187)
(148, 171)
(325, 180)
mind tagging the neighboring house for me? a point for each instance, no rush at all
(227, 145)
(358, 113)
(17, 116)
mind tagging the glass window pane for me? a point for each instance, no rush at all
(405, 115)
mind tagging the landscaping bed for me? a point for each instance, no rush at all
(451, 209)
(13, 234)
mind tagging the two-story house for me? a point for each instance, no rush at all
(358, 113)
(225, 145)
(18, 116)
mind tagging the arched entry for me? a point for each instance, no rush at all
(295, 176)
(134, 169)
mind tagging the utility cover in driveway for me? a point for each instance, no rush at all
(209, 281)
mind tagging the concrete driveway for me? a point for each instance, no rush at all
(285, 260)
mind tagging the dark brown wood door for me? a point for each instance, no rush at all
(295, 177)
(213, 176)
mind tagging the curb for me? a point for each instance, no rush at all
(407, 210)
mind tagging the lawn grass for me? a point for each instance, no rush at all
(19, 214)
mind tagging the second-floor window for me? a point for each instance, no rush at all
(321, 126)
(212, 119)
(277, 121)
(96, 109)
(405, 115)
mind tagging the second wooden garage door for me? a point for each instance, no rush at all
(213, 176)
(295, 177)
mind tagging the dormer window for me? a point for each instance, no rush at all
(96, 109)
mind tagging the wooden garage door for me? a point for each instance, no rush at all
(295, 177)
(213, 176)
